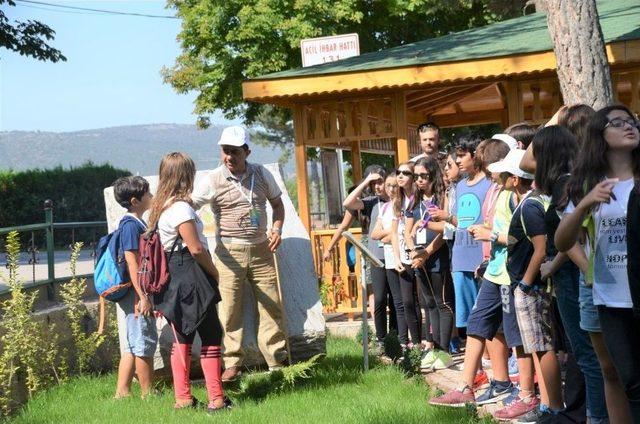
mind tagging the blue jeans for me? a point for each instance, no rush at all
(566, 287)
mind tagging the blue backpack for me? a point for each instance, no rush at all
(111, 269)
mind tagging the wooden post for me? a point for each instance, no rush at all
(402, 137)
(301, 167)
(356, 162)
(515, 107)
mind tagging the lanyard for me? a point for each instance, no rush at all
(238, 186)
(423, 215)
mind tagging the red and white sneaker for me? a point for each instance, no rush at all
(481, 380)
(516, 408)
(456, 398)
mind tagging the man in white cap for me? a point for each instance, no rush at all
(237, 192)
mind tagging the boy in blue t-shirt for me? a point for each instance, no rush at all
(139, 344)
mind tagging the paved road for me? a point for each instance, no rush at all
(39, 271)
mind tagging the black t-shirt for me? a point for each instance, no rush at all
(551, 217)
(520, 248)
(439, 260)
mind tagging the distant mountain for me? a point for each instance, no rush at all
(137, 148)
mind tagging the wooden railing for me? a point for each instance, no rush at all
(339, 285)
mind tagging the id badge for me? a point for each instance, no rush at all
(421, 236)
(254, 216)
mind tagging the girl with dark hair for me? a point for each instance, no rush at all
(369, 206)
(430, 260)
(382, 231)
(607, 169)
(554, 162)
(404, 202)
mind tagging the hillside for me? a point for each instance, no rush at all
(137, 148)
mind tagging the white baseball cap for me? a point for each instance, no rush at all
(511, 142)
(234, 136)
(511, 164)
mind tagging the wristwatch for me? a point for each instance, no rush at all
(494, 236)
(526, 288)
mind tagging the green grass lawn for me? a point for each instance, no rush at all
(336, 392)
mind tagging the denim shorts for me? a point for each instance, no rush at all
(486, 315)
(466, 291)
(589, 320)
(141, 335)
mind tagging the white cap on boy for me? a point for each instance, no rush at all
(234, 136)
(511, 164)
(511, 142)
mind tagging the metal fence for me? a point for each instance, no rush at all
(96, 229)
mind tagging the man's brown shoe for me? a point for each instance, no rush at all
(231, 374)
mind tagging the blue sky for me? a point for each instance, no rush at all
(111, 77)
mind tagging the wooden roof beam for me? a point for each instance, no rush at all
(453, 98)
(436, 99)
(426, 94)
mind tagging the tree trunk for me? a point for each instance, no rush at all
(583, 69)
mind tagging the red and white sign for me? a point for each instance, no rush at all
(329, 49)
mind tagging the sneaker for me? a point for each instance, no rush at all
(231, 374)
(516, 409)
(513, 396)
(497, 391)
(428, 358)
(481, 380)
(443, 360)
(537, 416)
(456, 398)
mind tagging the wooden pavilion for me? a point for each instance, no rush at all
(502, 73)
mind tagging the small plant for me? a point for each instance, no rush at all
(85, 344)
(26, 353)
(392, 346)
(258, 386)
(370, 333)
(411, 360)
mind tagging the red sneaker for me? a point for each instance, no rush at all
(481, 380)
(515, 409)
(456, 398)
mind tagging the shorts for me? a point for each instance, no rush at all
(509, 320)
(140, 337)
(466, 291)
(589, 319)
(486, 315)
(533, 311)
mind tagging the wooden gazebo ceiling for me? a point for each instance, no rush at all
(483, 102)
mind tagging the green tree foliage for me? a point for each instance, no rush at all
(28, 38)
(76, 193)
(227, 42)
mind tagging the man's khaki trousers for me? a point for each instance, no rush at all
(254, 264)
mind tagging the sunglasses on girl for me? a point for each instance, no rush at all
(404, 172)
(423, 175)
